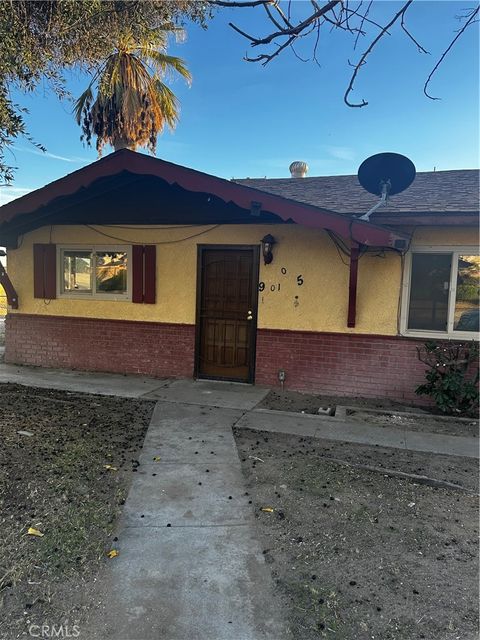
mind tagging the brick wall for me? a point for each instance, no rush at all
(341, 364)
(148, 348)
(332, 363)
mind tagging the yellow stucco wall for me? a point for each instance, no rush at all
(445, 237)
(321, 304)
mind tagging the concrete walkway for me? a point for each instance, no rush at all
(244, 397)
(327, 428)
(190, 564)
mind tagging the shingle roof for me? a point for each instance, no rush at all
(211, 198)
(431, 192)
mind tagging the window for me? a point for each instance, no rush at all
(441, 293)
(77, 271)
(98, 272)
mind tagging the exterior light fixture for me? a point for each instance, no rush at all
(267, 244)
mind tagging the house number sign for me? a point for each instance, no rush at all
(277, 286)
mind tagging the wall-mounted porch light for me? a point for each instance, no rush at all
(267, 244)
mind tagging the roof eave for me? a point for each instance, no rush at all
(356, 231)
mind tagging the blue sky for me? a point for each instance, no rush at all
(240, 119)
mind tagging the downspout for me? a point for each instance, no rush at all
(12, 297)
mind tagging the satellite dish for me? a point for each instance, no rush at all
(384, 175)
(384, 167)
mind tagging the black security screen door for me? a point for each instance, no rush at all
(227, 312)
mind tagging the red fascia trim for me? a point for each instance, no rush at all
(196, 181)
(12, 297)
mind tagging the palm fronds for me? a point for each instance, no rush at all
(132, 103)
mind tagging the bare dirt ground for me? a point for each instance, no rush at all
(309, 403)
(428, 423)
(58, 481)
(357, 555)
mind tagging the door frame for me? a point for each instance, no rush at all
(255, 249)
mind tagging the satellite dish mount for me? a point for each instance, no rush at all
(384, 175)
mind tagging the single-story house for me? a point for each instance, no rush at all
(136, 265)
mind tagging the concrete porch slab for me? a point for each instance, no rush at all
(107, 384)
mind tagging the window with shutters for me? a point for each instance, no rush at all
(95, 272)
(441, 293)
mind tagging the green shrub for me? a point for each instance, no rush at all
(452, 375)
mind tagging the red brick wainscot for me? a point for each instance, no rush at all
(92, 344)
(331, 363)
(342, 364)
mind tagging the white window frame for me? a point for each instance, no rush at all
(455, 252)
(93, 295)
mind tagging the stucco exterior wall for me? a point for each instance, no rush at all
(446, 236)
(319, 304)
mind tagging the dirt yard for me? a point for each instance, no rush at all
(358, 555)
(412, 422)
(375, 412)
(309, 403)
(67, 480)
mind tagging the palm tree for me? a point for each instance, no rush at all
(132, 103)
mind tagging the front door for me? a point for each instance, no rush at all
(227, 312)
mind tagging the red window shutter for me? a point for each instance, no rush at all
(45, 271)
(150, 265)
(137, 273)
(50, 258)
(38, 279)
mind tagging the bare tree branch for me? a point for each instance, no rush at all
(240, 3)
(265, 58)
(364, 17)
(339, 14)
(417, 44)
(291, 31)
(355, 12)
(272, 18)
(365, 55)
(282, 15)
(470, 21)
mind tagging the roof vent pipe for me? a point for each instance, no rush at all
(298, 169)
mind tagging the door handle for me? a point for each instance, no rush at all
(249, 315)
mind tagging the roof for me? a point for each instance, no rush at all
(431, 192)
(115, 170)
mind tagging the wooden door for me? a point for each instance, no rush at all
(227, 312)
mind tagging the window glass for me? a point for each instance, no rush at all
(466, 316)
(429, 289)
(77, 271)
(111, 272)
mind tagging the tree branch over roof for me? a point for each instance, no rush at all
(471, 19)
(283, 31)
